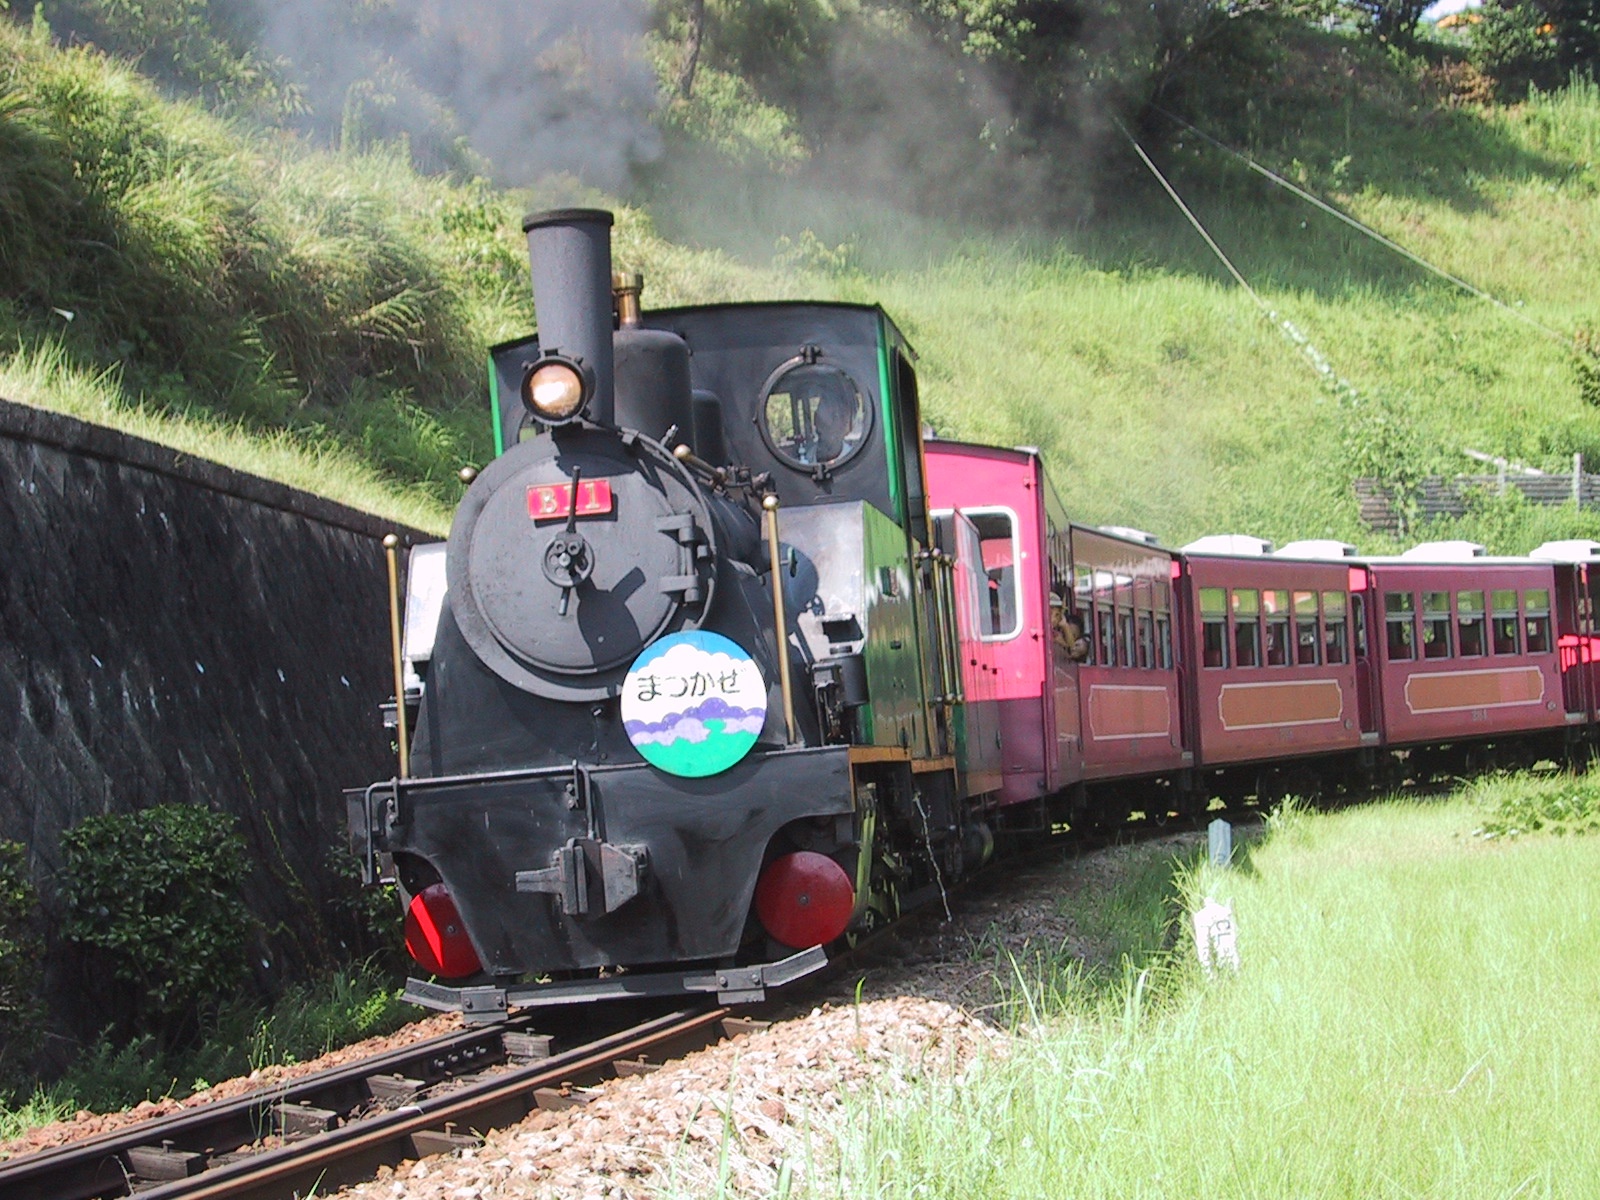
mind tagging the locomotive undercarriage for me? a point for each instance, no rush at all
(566, 870)
(590, 863)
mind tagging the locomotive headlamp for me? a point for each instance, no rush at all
(555, 389)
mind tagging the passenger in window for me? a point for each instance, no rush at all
(1067, 630)
(1002, 600)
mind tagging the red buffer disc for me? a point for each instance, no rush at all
(804, 899)
(435, 936)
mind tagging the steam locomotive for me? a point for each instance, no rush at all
(724, 663)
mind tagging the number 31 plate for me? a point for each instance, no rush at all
(553, 501)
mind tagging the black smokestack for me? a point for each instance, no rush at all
(570, 250)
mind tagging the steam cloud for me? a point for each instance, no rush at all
(535, 88)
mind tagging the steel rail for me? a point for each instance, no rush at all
(349, 1152)
(88, 1167)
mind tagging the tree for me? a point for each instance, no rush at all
(1575, 25)
(695, 19)
(1392, 20)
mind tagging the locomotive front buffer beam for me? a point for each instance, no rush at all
(485, 1005)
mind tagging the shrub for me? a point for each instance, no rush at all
(1513, 43)
(1586, 365)
(19, 962)
(1524, 804)
(152, 894)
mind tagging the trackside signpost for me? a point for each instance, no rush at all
(1215, 934)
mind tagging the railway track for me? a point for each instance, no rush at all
(337, 1127)
(340, 1126)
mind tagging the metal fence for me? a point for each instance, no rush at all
(1441, 497)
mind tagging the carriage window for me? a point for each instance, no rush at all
(1106, 652)
(1164, 641)
(1246, 627)
(1470, 621)
(813, 415)
(1435, 624)
(1399, 609)
(1505, 625)
(1214, 627)
(1536, 603)
(1000, 616)
(1083, 593)
(1307, 647)
(1333, 609)
(1125, 635)
(1147, 640)
(1277, 605)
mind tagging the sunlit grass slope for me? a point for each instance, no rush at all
(1164, 397)
(1417, 1014)
(247, 282)
(213, 277)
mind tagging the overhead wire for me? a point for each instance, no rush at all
(1366, 230)
(1319, 362)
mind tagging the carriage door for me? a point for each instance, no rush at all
(1577, 600)
(1363, 621)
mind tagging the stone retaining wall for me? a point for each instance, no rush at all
(176, 631)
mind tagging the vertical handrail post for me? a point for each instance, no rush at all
(391, 548)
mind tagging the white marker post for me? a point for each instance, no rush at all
(1216, 937)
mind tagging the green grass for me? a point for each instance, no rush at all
(345, 301)
(308, 1020)
(1415, 1016)
(44, 375)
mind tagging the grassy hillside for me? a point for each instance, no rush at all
(228, 288)
(317, 316)
(1164, 398)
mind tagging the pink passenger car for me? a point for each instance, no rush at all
(1108, 709)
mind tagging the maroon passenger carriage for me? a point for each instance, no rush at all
(1225, 669)
(1466, 656)
(1272, 676)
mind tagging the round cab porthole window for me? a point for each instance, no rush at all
(814, 415)
(694, 703)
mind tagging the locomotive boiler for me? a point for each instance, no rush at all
(686, 704)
